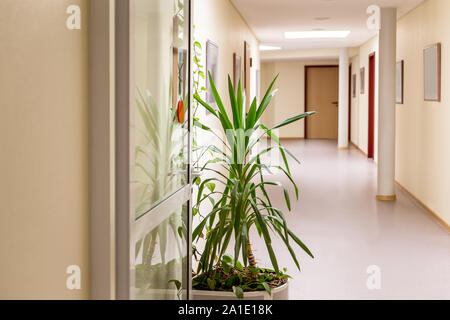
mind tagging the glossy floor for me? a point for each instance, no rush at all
(348, 230)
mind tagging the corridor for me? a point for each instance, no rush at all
(348, 230)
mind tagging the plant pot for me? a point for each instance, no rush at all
(280, 293)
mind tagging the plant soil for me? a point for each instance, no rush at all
(249, 279)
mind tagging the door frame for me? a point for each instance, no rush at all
(371, 105)
(306, 90)
(102, 149)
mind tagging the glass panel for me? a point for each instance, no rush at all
(161, 71)
(161, 259)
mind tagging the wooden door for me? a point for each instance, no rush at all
(322, 96)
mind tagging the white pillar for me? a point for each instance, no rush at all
(343, 99)
(386, 98)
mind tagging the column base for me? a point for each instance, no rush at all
(343, 148)
(387, 198)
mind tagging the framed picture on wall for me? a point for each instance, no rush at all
(362, 78)
(212, 66)
(258, 84)
(432, 72)
(354, 86)
(399, 82)
(237, 70)
(247, 70)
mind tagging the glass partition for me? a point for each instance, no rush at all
(160, 179)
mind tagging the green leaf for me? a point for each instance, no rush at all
(223, 116)
(238, 292)
(300, 243)
(267, 288)
(293, 119)
(254, 270)
(205, 105)
(176, 283)
(211, 284)
(227, 259)
(211, 186)
(226, 267)
(266, 100)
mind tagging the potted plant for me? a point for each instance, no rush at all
(242, 203)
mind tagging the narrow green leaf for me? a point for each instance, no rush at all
(238, 292)
(267, 288)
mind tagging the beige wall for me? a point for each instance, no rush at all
(355, 65)
(290, 99)
(423, 149)
(423, 130)
(220, 22)
(360, 106)
(44, 209)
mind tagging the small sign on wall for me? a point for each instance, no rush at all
(432, 72)
(399, 82)
(362, 77)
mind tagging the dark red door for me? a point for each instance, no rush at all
(350, 96)
(371, 144)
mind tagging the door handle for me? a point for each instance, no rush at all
(336, 103)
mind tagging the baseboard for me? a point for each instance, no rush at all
(387, 198)
(358, 148)
(291, 138)
(433, 214)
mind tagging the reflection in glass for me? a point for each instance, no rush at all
(161, 154)
(161, 260)
(161, 70)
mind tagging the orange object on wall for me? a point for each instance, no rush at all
(180, 111)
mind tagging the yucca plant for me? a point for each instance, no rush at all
(243, 202)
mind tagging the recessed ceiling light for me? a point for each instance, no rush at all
(322, 18)
(317, 34)
(268, 48)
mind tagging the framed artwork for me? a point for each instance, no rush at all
(432, 72)
(399, 82)
(237, 70)
(258, 84)
(354, 86)
(247, 71)
(212, 66)
(362, 78)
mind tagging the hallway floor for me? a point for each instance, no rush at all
(348, 230)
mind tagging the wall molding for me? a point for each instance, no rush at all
(358, 148)
(433, 214)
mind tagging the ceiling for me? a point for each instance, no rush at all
(270, 19)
